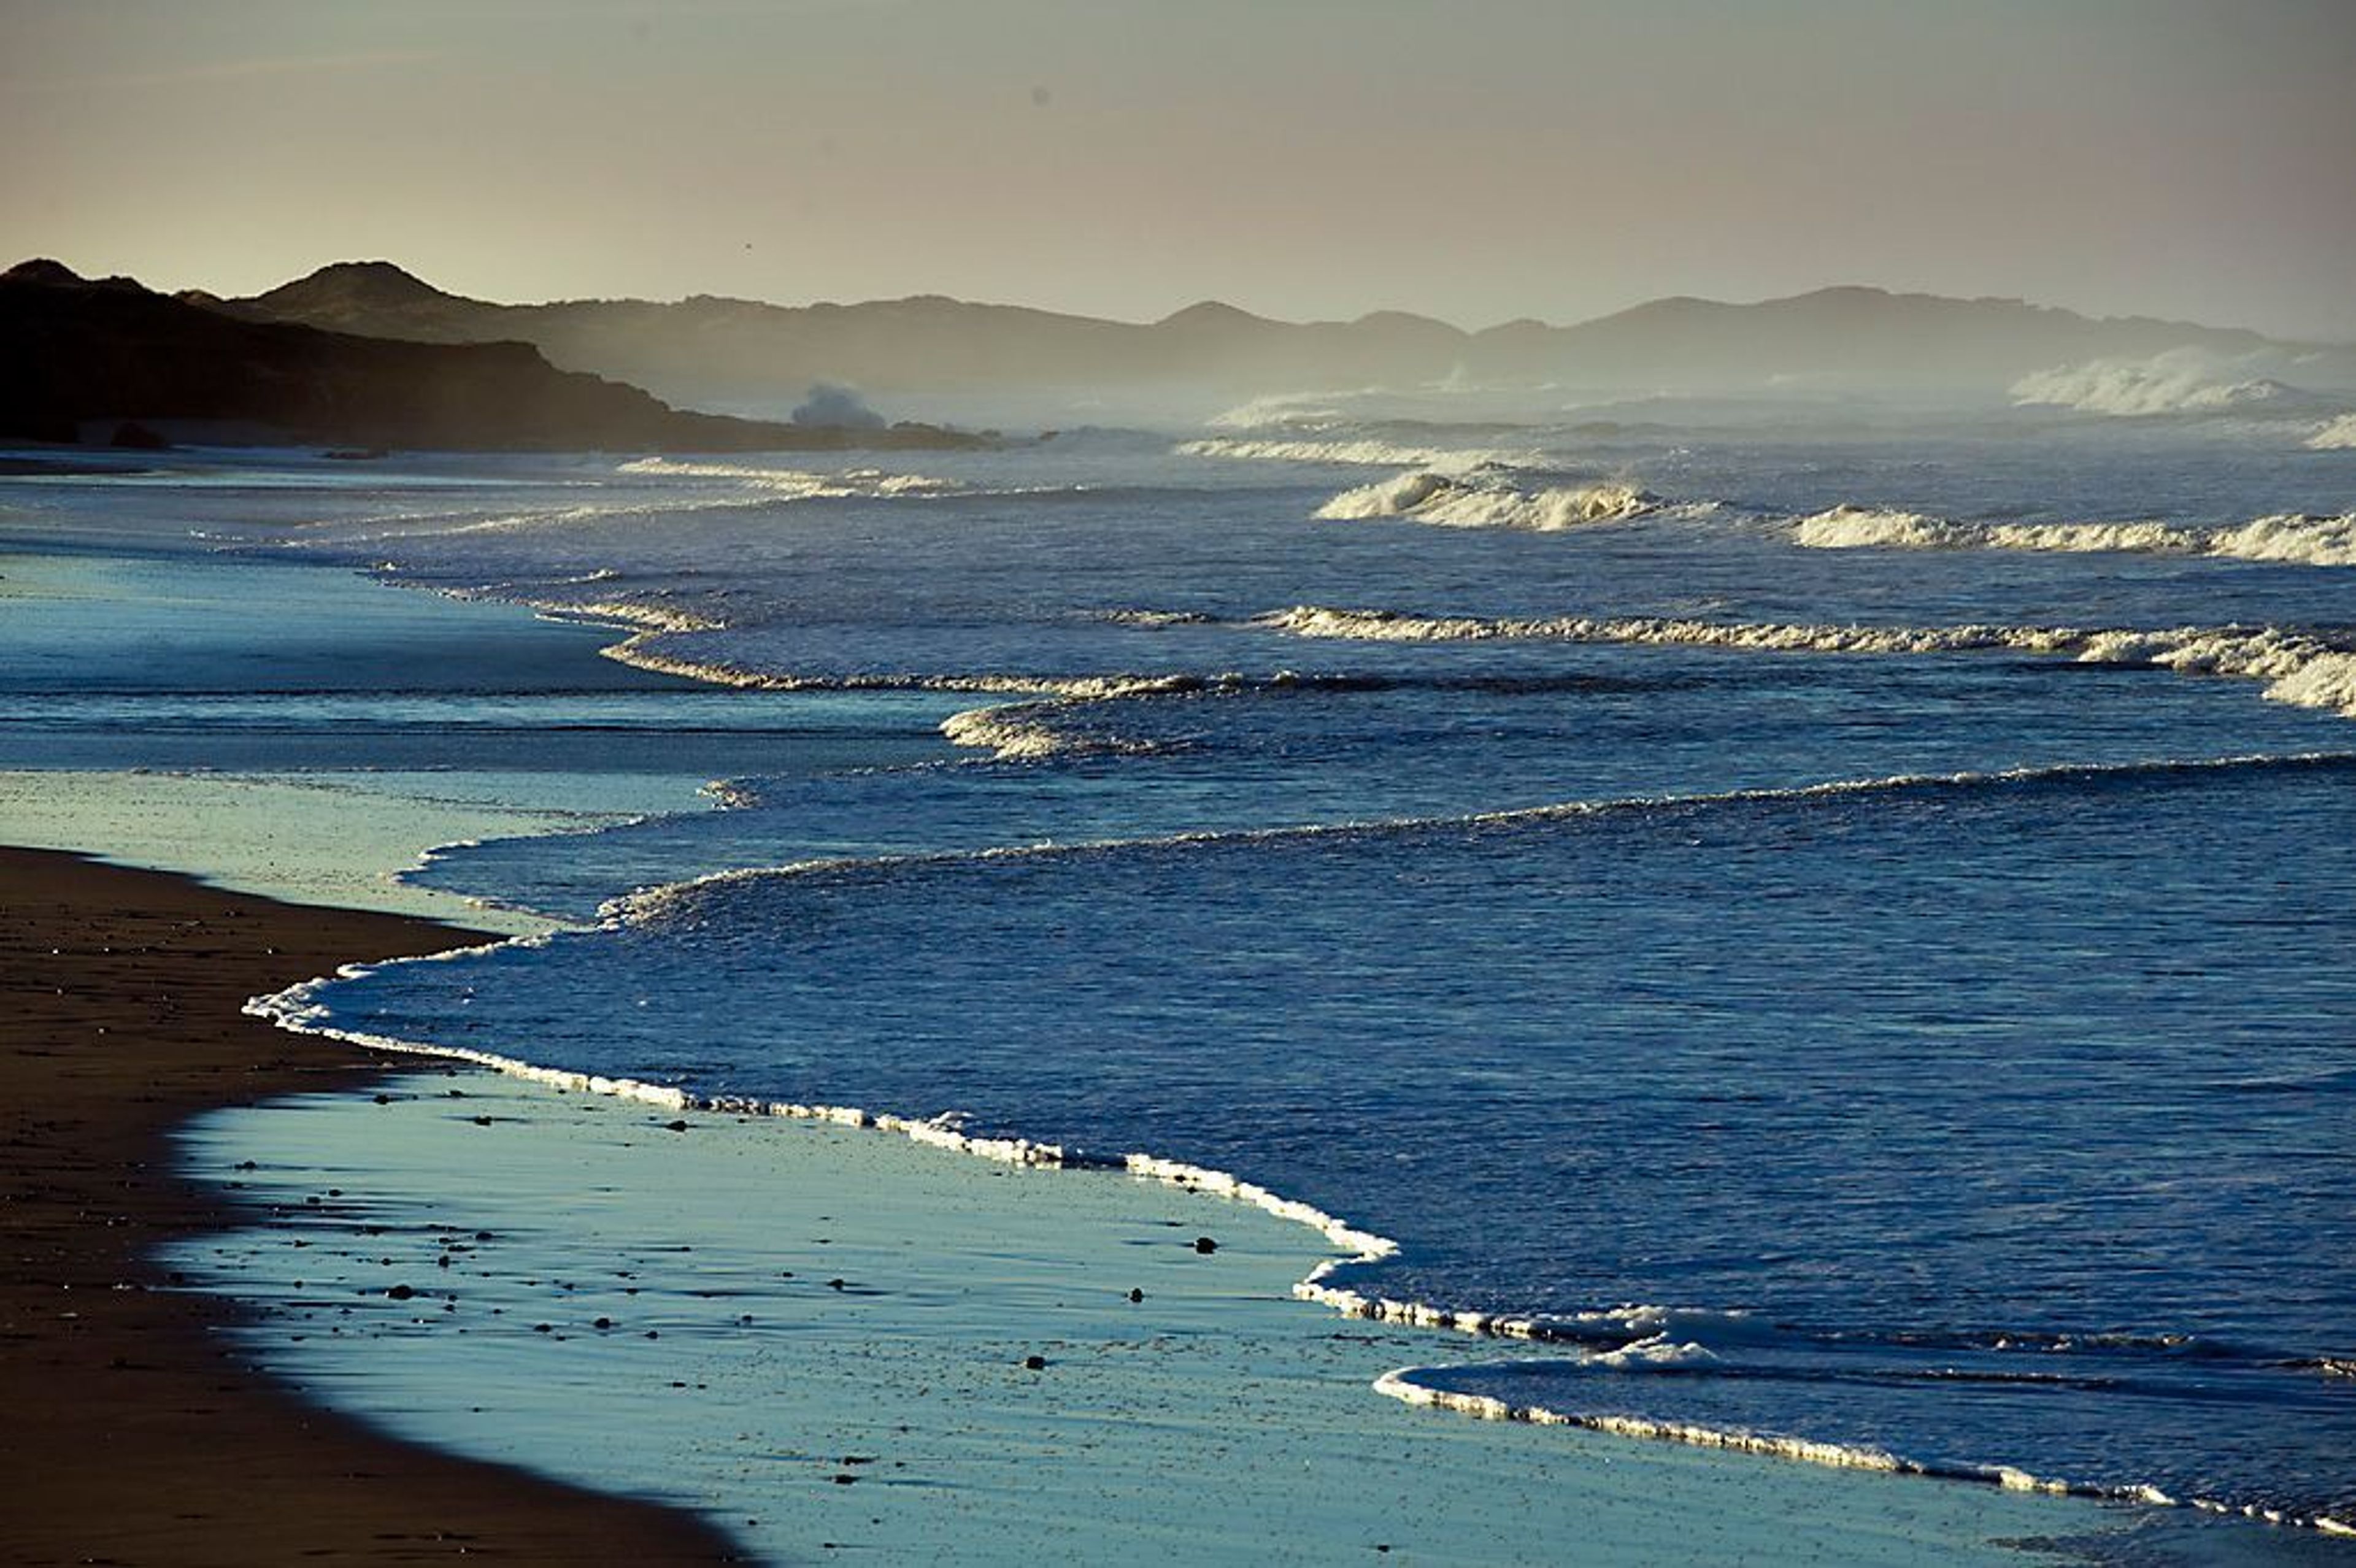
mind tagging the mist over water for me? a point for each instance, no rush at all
(1840, 930)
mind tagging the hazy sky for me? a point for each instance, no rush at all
(1476, 160)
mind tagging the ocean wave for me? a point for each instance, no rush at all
(795, 482)
(2290, 536)
(1026, 731)
(1481, 500)
(1424, 1386)
(649, 617)
(2181, 382)
(2338, 435)
(638, 650)
(1294, 409)
(2286, 538)
(1390, 625)
(652, 905)
(2306, 669)
(1023, 732)
(647, 621)
(1365, 452)
(440, 525)
(1861, 527)
(1152, 620)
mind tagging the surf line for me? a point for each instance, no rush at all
(300, 1008)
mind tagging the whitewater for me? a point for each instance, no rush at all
(1821, 947)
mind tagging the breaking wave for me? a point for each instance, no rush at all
(2286, 538)
(2308, 669)
(1482, 500)
(1280, 409)
(795, 482)
(1025, 732)
(2340, 435)
(1426, 1386)
(2181, 382)
(1367, 452)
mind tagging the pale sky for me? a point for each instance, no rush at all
(1476, 160)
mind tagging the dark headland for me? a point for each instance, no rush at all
(113, 361)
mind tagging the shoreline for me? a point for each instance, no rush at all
(127, 984)
(1344, 1246)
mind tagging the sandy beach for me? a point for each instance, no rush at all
(136, 1433)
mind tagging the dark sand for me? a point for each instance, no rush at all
(133, 1431)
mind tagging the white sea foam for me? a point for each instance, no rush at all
(1483, 499)
(1151, 620)
(2290, 536)
(647, 622)
(1859, 527)
(1365, 452)
(1014, 731)
(1021, 731)
(1280, 408)
(646, 615)
(1402, 1385)
(2181, 382)
(2284, 538)
(2299, 667)
(1419, 1386)
(1867, 527)
(795, 481)
(2338, 435)
(1385, 625)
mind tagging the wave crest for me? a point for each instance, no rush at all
(797, 483)
(1365, 452)
(2299, 667)
(2284, 538)
(1481, 500)
(2181, 382)
(2338, 435)
(1425, 1386)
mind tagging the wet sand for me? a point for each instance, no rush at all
(134, 1433)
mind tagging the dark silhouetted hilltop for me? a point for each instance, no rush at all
(372, 298)
(715, 349)
(85, 358)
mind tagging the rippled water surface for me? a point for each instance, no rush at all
(1935, 1039)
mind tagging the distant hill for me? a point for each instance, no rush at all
(1846, 333)
(84, 359)
(707, 349)
(711, 349)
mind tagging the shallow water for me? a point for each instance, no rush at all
(821, 1338)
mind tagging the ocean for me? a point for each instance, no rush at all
(1790, 926)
